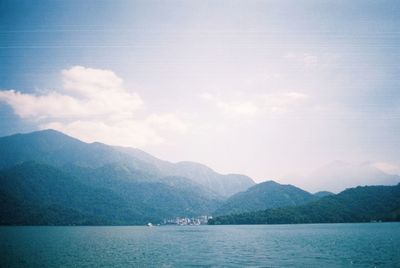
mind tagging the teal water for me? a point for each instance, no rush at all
(312, 245)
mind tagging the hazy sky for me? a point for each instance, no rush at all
(264, 88)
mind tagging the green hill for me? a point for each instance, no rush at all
(36, 194)
(360, 204)
(263, 196)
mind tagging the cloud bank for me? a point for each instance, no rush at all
(93, 105)
(261, 104)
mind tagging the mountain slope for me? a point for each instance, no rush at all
(40, 194)
(40, 191)
(57, 149)
(224, 185)
(323, 194)
(263, 196)
(360, 204)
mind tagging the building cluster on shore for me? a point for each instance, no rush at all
(188, 221)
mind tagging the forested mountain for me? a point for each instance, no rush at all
(59, 150)
(48, 177)
(265, 195)
(360, 204)
(323, 194)
(34, 193)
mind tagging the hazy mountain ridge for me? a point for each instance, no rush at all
(337, 176)
(224, 185)
(360, 204)
(57, 149)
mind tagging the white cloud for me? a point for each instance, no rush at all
(93, 105)
(283, 102)
(307, 59)
(86, 93)
(271, 103)
(51, 105)
(90, 82)
(238, 107)
(166, 122)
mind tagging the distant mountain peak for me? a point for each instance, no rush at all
(270, 182)
(48, 131)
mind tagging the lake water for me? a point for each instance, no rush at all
(308, 245)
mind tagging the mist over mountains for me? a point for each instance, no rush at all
(336, 176)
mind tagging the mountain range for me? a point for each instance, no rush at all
(49, 178)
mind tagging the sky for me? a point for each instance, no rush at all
(270, 89)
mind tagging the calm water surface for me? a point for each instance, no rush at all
(314, 245)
